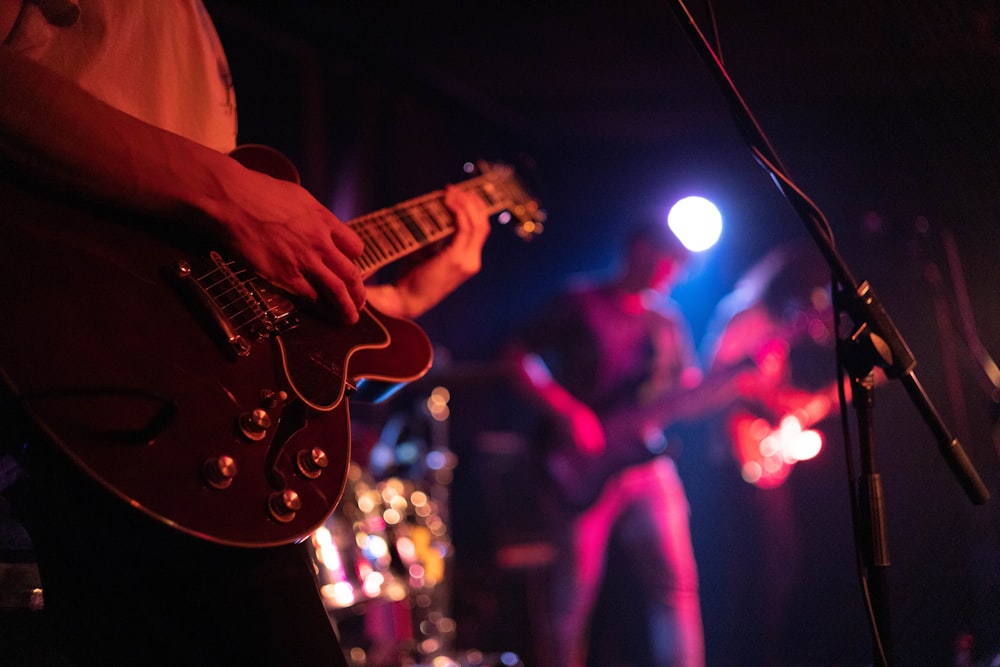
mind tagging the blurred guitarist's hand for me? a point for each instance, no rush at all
(573, 418)
(767, 450)
(768, 371)
(584, 428)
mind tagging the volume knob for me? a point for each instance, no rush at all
(220, 471)
(284, 504)
(312, 462)
(254, 424)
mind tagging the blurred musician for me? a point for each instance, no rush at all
(599, 362)
(778, 315)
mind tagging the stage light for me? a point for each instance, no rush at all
(696, 222)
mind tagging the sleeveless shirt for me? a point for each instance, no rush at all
(158, 60)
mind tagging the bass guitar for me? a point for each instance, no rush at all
(185, 384)
(634, 434)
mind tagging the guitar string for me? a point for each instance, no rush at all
(397, 233)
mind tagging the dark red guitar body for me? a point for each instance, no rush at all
(104, 349)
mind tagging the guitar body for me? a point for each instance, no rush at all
(761, 463)
(105, 354)
(190, 387)
(767, 449)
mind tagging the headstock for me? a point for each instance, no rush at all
(506, 196)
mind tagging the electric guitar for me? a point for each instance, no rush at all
(634, 434)
(766, 450)
(188, 386)
(770, 433)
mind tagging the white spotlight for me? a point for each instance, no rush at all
(696, 222)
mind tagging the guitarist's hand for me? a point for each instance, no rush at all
(425, 285)
(292, 240)
(585, 429)
(765, 371)
(573, 417)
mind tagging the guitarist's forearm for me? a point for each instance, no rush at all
(58, 135)
(533, 375)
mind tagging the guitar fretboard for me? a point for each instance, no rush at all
(398, 231)
(395, 232)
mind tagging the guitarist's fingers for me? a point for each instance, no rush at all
(472, 227)
(292, 240)
(588, 432)
(318, 285)
(306, 257)
(339, 278)
(348, 296)
(325, 258)
(433, 279)
(345, 238)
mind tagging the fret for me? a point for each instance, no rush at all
(364, 262)
(423, 218)
(395, 232)
(379, 237)
(485, 191)
(371, 247)
(439, 216)
(411, 226)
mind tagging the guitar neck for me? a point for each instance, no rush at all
(393, 233)
(398, 231)
(715, 392)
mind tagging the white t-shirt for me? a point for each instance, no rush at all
(158, 60)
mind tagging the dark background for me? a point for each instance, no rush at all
(885, 113)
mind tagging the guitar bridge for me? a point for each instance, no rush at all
(241, 307)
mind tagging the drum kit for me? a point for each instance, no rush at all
(383, 556)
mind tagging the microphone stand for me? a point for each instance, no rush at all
(874, 342)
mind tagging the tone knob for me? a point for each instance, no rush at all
(312, 462)
(284, 504)
(254, 424)
(220, 471)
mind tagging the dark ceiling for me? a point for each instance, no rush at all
(888, 108)
(624, 71)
